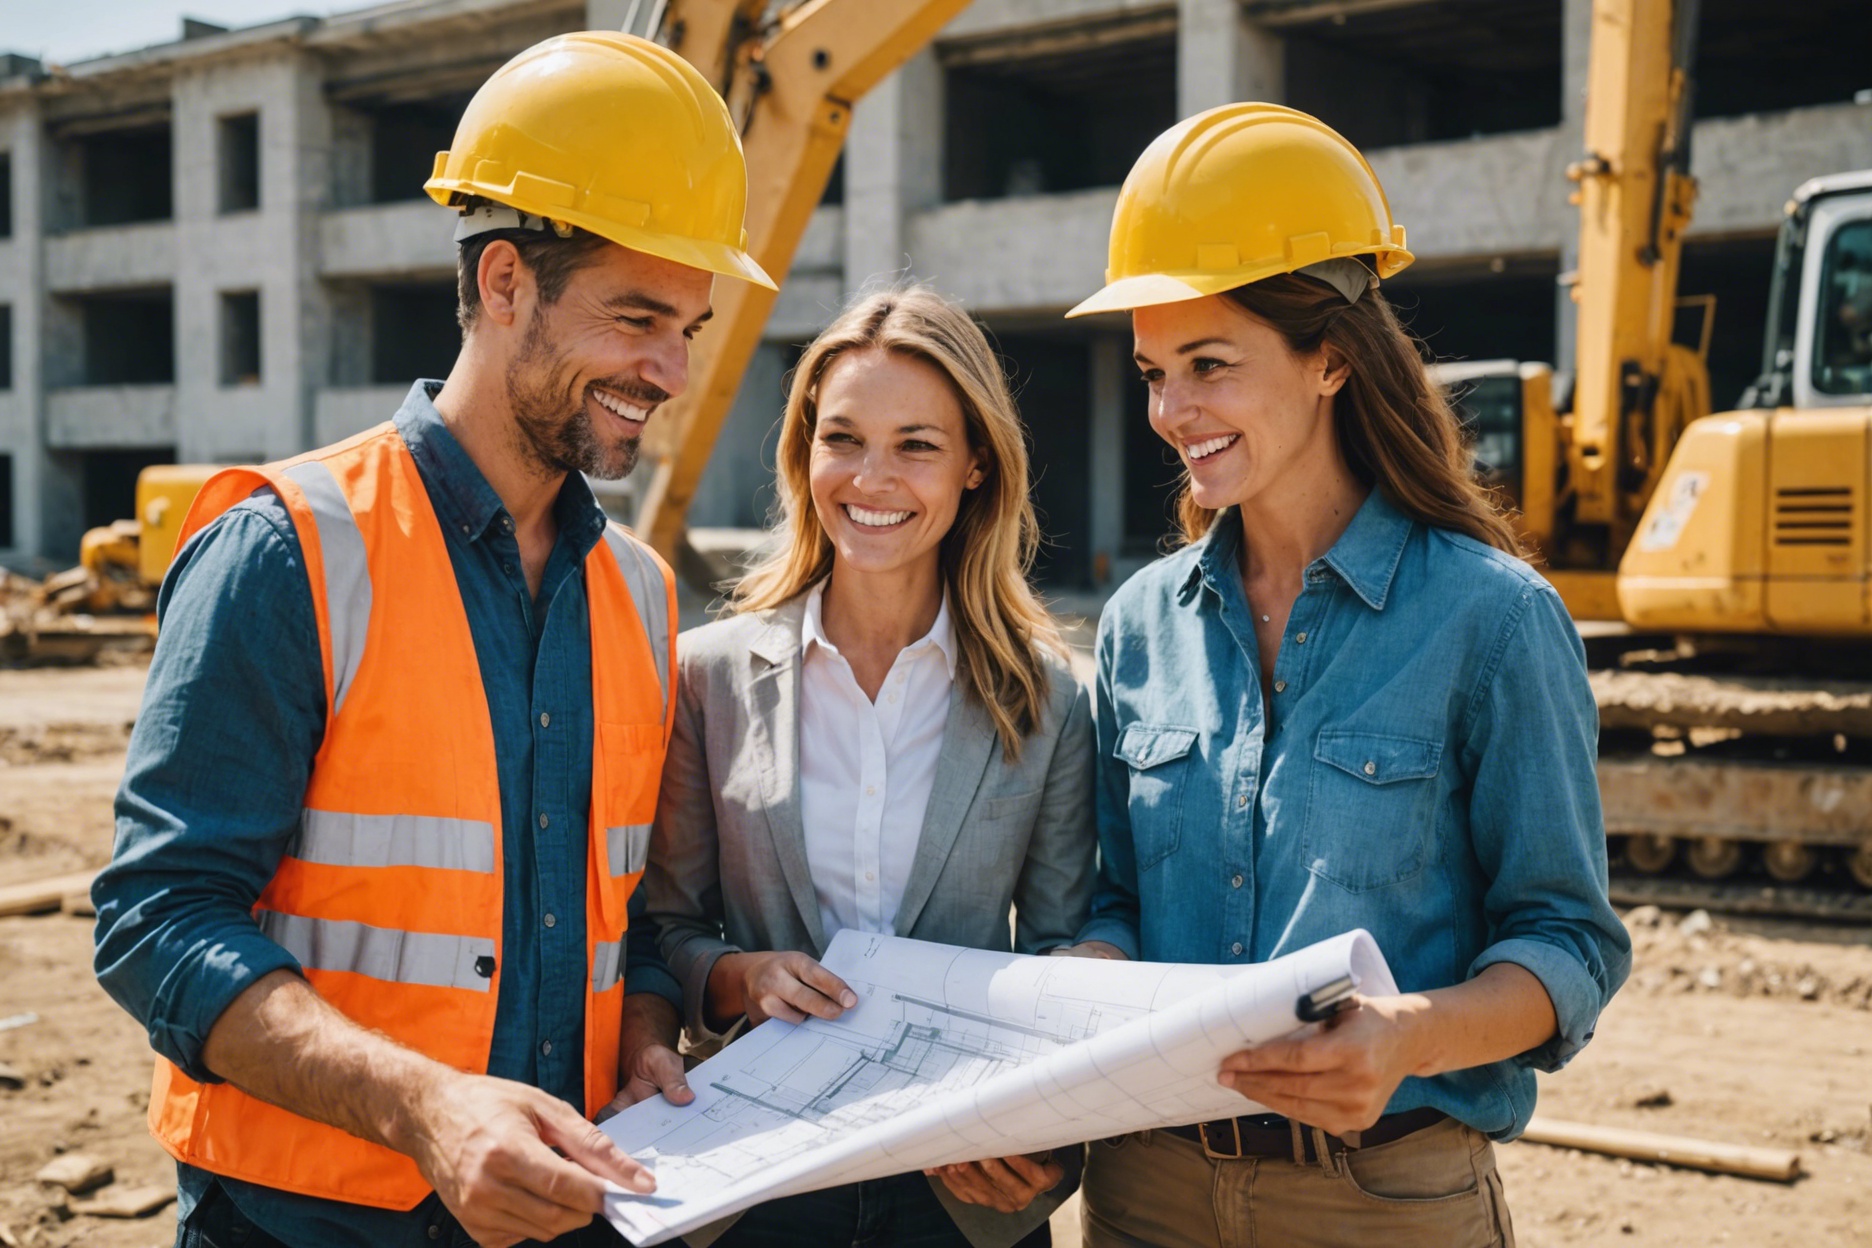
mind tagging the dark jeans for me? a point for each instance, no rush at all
(217, 1222)
(898, 1212)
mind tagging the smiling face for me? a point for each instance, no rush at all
(890, 460)
(591, 367)
(1244, 412)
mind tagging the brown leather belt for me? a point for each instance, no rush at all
(1271, 1135)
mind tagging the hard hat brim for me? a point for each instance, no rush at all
(1144, 290)
(710, 257)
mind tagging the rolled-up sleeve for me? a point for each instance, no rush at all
(1536, 824)
(1115, 906)
(233, 712)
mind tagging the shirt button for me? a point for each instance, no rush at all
(507, 523)
(544, 820)
(1236, 882)
(545, 720)
(1371, 768)
(891, 698)
(1301, 639)
(870, 790)
(1236, 948)
(1241, 800)
(1280, 686)
(870, 875)
(435, 1232)
(551, 920)
(545, 1048)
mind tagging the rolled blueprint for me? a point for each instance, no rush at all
(956, 1055)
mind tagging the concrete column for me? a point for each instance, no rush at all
(893, 167)
(1223, 57)
(1109, 363)
(45, 491)
(1575, 52)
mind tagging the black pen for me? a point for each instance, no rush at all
(1324, 1002)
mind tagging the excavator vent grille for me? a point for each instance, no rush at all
(1814, 516)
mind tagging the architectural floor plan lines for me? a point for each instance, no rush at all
(954, 1055)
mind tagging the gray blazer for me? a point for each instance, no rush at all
(728, 870)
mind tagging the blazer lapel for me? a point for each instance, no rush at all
(774, 698)
(969, 741)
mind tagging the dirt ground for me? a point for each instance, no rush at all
(1745, 1031)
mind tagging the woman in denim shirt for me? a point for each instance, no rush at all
(1346, 702)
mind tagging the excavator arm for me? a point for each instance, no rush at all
(791, 82)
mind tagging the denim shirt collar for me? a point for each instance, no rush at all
(1365, 557)
(464, 501)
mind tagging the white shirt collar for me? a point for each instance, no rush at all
(941, 633)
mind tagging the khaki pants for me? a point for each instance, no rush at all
(1435, 1188)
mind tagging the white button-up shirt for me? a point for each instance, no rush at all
(867, 768)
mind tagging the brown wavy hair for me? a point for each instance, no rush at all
(1000, 624)
(1395, 427)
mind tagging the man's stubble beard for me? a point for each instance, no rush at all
(552, 429)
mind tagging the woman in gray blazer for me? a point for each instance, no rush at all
(885, 735)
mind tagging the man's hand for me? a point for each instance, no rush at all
(787, 986)
(1090, 949)
(648, 1062)
(488, 1145)
(1006, 1184)
(1340, 1076)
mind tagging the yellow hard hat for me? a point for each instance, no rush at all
(1240, 193)
(612, 134)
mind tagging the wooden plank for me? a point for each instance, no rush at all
(1777, 1164)
(43, 896)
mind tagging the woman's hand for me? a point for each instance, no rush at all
(787, 986)
(1006, 1184)
(1340, 1076)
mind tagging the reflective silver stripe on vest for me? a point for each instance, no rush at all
(344, 840)
(347, 575)
(647, 591)
(628, 847)
(607, 965)
(380, 952)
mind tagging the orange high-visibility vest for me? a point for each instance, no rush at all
(390, 894)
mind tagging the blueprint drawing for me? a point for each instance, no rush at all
(957, 1054)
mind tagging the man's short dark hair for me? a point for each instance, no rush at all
(552, 261)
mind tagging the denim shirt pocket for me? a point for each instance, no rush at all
(1371, 805)
(1158, 758)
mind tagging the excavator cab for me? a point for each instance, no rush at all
(1761, 522)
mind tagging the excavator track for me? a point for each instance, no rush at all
(1732, 788)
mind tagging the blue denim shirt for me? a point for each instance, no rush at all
(232, 716)
(1426, 772)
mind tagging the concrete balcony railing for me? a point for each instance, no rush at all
(1037, 253)
(110, 417)
(341, 411)
(111, 257)
(382, 240)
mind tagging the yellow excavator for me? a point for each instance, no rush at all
(1720, 564)
(1694, 548)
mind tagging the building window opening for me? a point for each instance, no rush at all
(1386, 75)
(413, 332)
(6, 348)
(1754, 58)
(1504, 308)
(6, 194)
(122, 176)
(239, 142)
(404, 140)
(109, 482)
(128, 338)
(1052, 380)
(240, 338)
(6, 502)
(1056, 109)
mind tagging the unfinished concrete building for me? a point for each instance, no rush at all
(217, 249)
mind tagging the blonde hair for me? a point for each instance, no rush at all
(1000, 624)
(1395, 427)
